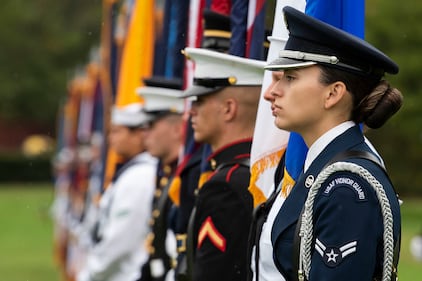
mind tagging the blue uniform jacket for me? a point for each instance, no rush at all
(223, 217)
(348, 227)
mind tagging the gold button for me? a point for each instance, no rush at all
(148, 243)
(213, 163)
(173, 263)
(157, 193)
(155, 213)
(167, 169)
(164, 181)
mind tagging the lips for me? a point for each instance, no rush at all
(275, 109)
(193, 124)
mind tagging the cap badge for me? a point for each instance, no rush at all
(232, 80)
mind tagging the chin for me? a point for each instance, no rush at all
(281, 125)
(197, 136)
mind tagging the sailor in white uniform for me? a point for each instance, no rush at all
(125, 206)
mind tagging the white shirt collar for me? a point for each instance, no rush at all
(318, 146)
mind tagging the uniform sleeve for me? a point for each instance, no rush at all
(222, 225)
(127, 226)
(347, 229)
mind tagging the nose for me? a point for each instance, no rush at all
(268, 93)
(193, 109)
(274, 88)
(273, 91)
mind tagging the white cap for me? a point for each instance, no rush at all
(158, 99)
(131, 115)
(214, 70)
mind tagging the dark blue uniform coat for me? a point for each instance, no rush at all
(348, 227)
(223, 217)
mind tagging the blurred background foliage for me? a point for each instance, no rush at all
(43, 42)
(393, 26)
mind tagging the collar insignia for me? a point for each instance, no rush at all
(309, 181)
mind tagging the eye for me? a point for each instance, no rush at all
(277, 76)
(289, 77)
(196, 102)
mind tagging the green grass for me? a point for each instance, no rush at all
(26, 235)
(409, 268)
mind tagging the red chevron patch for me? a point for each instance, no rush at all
(209, 230)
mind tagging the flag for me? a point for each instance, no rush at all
(269, 142)
(171, 38)
(294, 159)
(255, 36)
(138, 50)
(135, 61)
(107, 49)
(86, 107)
(348, 15)
(238, 25)
(175, 61)
(169, 62)
(194, 33)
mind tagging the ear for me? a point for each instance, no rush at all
(229, 109)
(336, 92)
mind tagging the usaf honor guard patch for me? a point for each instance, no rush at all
(349, 182)
(333, 256)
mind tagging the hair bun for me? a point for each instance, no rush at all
(381, 104)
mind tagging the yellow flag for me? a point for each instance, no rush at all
(136, 63)
(138, 52)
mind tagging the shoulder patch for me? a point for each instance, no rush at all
(333, 256)
(345, 181)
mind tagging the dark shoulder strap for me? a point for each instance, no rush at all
(337, 158)
(242, 162)
(356, 154)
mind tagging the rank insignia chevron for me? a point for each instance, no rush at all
(209, 230)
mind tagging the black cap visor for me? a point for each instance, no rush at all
(287, 63)
(194, 91)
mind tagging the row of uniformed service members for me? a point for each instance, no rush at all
(324, 84)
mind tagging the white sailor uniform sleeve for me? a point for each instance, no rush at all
(127, 227)
(348, 225)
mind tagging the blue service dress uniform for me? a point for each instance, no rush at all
(348, 228)
(223, 216)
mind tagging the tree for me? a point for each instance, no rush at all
(42, 43)
(392, 26)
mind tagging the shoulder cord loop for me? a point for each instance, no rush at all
(306, 227)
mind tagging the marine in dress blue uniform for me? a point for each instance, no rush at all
(347, 236)
(223, 215)
(226, 92)
(164, 141)
(216, 36)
